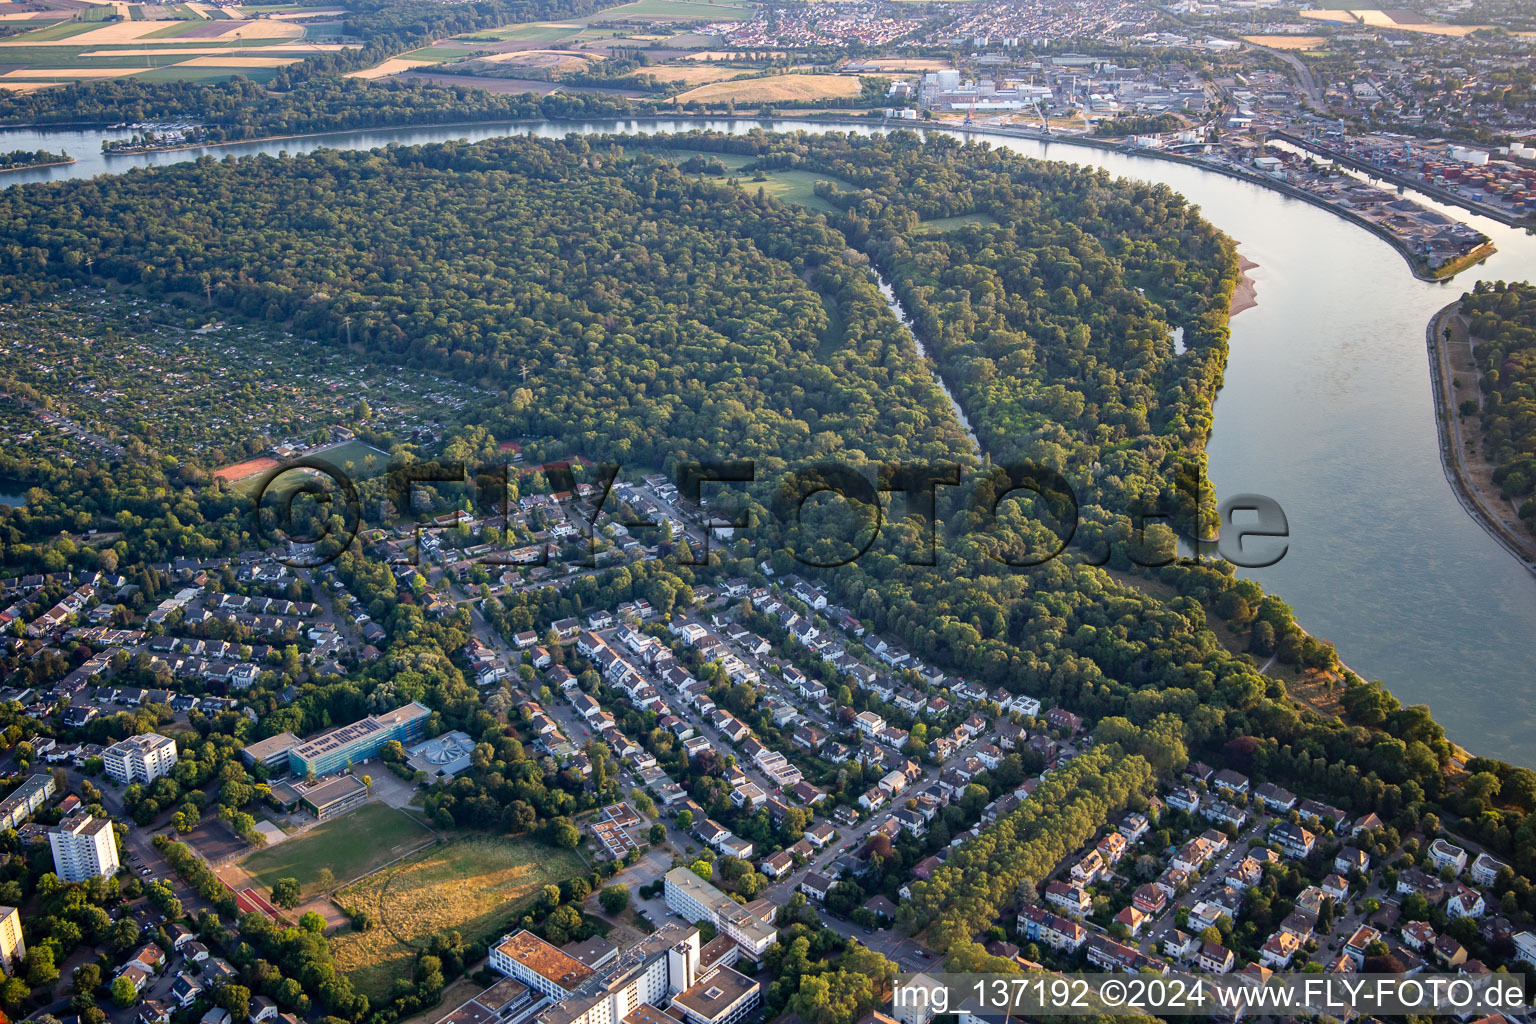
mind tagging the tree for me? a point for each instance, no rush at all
(658, 834)
(123, 992)
(87, 979)
(286, 893)
(40, 966)
(562, 925)
(703, 868)
(234, 998)
(614, 898)
(312, 922)
(566, 835)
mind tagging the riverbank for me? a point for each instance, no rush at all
(1470, 476)
(1245, 295)
(265, 140)
(38, 167)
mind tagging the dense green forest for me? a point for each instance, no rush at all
(661, 316)
(1503, 324)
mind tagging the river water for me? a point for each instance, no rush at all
(1326, 407)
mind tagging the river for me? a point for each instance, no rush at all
(1326, 407)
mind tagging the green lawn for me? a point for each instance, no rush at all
(794, 187)
(790, 186)
(356, 459)
(951, 223)
(352, 846)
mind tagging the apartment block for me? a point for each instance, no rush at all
(694, 899)
(12, 946)
(142, 758)
(25, 799)
(83, 847)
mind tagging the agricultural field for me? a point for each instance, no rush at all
(674, 10)
(778, 89)
(393, 66)
(352, 846)
(693, 74)
(1287, 42)
(475, 885)
(187, 42)
(528, 32)
(665, 14)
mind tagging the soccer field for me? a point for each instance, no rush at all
(352, 846)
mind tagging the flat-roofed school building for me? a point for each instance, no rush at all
(271, 752)
(335, 796)
(334, 750)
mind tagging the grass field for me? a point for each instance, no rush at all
(438, 54)
(777, 89)
(951, 223)
(477, 886)
(354, 458)
(351, 846)
(794, 187)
